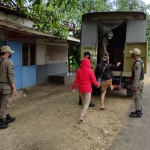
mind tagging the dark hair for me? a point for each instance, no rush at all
(87, 53)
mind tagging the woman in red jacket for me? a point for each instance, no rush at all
(84, 79)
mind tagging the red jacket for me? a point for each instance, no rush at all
(85, 77)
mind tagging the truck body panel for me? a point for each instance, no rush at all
(133, 28)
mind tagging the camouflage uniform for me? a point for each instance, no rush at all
(6, 79)
(103, 49)
(138, 76)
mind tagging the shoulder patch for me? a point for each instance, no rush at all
(137, 63)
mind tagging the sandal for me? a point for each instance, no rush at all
(102, 108)
(81, 121)
(85, 115)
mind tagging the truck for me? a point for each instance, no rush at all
(128, 31)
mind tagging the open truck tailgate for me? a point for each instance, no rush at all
(128, 60)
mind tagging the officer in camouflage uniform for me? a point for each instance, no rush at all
(7, 86)
(138, 77)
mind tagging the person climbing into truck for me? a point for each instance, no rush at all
(105, 77)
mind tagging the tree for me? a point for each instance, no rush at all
(130, 5)
(49, 14)
(44, 13)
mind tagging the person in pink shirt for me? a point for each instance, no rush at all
(84, 79)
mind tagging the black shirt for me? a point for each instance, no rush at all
(107, 74)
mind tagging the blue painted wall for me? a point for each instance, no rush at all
(18, 77)
(25, 76)
(16, 58)
(44, 71)
(56, 68)
(28, 76)
(41, 76)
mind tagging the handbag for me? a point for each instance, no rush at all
(99, 78)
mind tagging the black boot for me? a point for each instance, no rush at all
(3, 125)
(80, 100)
(91, 105)
(9, 119)
(136, 114)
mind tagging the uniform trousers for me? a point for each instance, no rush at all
(138, 96)
(5, 99)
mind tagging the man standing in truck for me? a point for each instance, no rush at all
(104, 42)
(137, 77)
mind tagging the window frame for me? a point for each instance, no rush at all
(29, 50)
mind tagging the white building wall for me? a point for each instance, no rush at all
(40, 53)
(50, 54)
(56, 54)
(51, 60)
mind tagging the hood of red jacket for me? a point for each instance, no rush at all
(85, 63)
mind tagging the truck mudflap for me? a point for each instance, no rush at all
(123, 83)
(117, 87)
(117, 82)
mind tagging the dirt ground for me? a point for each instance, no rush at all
(47, 119)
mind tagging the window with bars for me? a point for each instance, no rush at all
(28, 54)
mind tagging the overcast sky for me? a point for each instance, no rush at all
(146, 1)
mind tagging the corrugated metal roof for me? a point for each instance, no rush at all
(18, 27)
(73, 39)
(24, 29)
